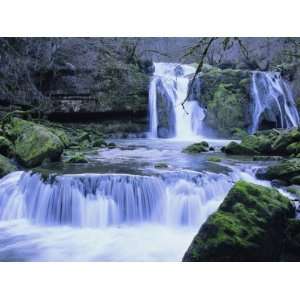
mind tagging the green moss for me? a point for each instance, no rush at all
(6, 166)
(285, 170)
(77, 158)
(214, 159)
(248, 226)
(6, 147)
(239, 149)
(33, 143)
(196, 148)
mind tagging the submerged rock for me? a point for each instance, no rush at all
(78, 158)
(6, 166)
(249, 226)
(33, 143)
(197, 148)
(161, 166)
(214, 159)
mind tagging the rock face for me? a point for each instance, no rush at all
(6, 166)
(33, 143)
(249, 225)
(225, 94)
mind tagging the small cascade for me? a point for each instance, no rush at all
(273, 102)
(92, 200)
(168, 90)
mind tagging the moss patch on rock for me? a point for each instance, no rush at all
(249, 226)
(197, 148)
(33, 143)
(6, 166)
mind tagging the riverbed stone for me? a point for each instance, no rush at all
(249, 226)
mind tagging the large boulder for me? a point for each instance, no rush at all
(33, 143)
(249, 226)
(6, 166)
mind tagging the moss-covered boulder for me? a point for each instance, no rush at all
(33, 143)
(6, 147)
(249, 226)
(235, 148)
(6, 166)
(77, 158)
(197, 148)
(286, 142)
(286, 170)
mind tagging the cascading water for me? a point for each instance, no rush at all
(272, 101)
(94, 201)
(171, 82)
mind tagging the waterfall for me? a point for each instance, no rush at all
(272, 101)
(170, 82)
(93, 200)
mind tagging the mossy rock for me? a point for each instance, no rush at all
(33, 143)
(249, 226)
(293, 148)
(214, 159)
(62, 136)
(161, 166)
(6, 166)
(285, 170)
(78, 158)
(99, 143)
(284, 140)
(197, 148)
(6, 147)
(235, 148)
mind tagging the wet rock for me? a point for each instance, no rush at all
(214, 159)
(197, 148)
(6, 147)
(234, 148)
(250, 225)
(77, 159)
(6, 166)
(286, 171)
(161, 166)
(33, 143)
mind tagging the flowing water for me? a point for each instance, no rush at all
(120, 206)
(273, 101)
(171, 82)
(145, 214)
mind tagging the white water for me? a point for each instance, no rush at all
(111, 217)
(172, 80)
(272, 97)
(92, 200)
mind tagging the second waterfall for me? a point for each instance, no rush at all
(168, 90)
